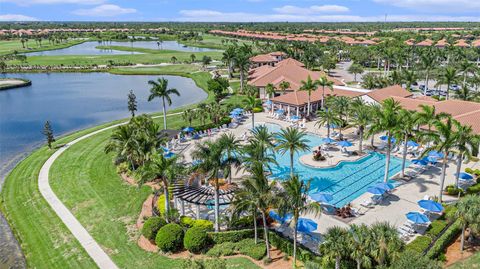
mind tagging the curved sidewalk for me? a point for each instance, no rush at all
(86, 240)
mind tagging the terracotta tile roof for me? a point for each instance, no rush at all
(425, 43)
(410, 42)
(299, 98)
(290, 61)
(456, 107)
(461, 43)
(472, 119)
(384, 93)
(441, 43)
(263, 58)
(476, 43)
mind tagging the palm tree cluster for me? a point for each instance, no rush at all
(238, 57)
(366, 246)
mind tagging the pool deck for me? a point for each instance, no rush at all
(393, 209)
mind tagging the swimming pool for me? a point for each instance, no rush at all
(345, 181)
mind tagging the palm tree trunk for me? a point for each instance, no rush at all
(295, 243)
(255, 225)
(253, 120)
(459, 167)
(167, 199)
(265, 228)
(426, 84)
(337, 262)
(323, 97)
(164, 114)
(442, 178)
(404, 155)
(291, 163)
(387, 160)
(462, 240)
(448, 90)
(360, 142)
(359, 264)
(241, 80)
(230, 69)
(217, 218)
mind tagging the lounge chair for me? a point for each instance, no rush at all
(368, 203)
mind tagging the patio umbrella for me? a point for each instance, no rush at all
(431, 159)
(168, 154)
(430, 205)
(344, 144)
(238, 110)
(385, 186)
(385, 138)
(280, 111)
(333, 126)
(465, 176)
(411, 143)
(188, 129)
(376, 190)
(417, 217)
(306, 225)
(274, 215)
(321, 197)
(268, 102)
(327, 140)
(435, 154)
(420, 162)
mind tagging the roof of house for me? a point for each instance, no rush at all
(263, 58)
(298, 98)
(441, 43)
(476, 43)
(472, 119)
(381, 94)
(425, 43)
(461, 43)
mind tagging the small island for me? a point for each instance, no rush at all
(10, 83)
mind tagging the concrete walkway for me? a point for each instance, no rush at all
(93, 249)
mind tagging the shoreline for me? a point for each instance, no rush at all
(21, 83)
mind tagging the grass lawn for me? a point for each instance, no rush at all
(470, 263)
(214, 41)
(167, 69)
(84, 178)
(9, 46)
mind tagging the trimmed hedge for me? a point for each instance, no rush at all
(473, 189)
(223, 249)
(444, 240)
(435, 228)
(170, 238)
(286, 246)
(188, 222)
(233, 236)
(161, 204)
(419, 244)
(196, 239)
(151, 227)
(249, 248)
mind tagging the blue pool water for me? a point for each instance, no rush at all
(346, 181)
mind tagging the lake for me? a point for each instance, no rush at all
(74, 101)
(89, 48)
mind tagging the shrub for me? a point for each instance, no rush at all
(474, 189)
(453, 190)
(223, 249)
(170, 238)
(419, 244)
(122, 168)
(204, 264)
(151, 227)
(204, 224)
(186, 222)
(242, 223)
(195, 239)
(232, 236)
(286, 246)
(257, 110)
(435, 228)
(447, 237)
(249, 248)
(161, 204)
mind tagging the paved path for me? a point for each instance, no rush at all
(93, 249)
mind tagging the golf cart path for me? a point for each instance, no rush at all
(93, 249)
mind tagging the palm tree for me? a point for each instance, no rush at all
(242, 62)
(428, 61)
(386, 245)
(406, 127)
(388, 121)
(173, 59)
(212, 156)
(123, 143)
(228, 57)
(466, 141)
(249, 104)
(159, 90)
(245, 200)
(324, 82)
(466, 67)
(270, 90)
(328, 117)
(167, 170)
(410, 77)
(355, 69)
(231, 146)
(466, 94)
(192, 58)
(188, 115)
(360, 240)
(335, 246)
(428, 116)
(468, 210)
(360, 117)
(448, 76)
(259, 148)
(445, 140)
(294, 199)
(341, 105)
(284, 85)
(293, 141)
(309, 86)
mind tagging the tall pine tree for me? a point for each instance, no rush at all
(132, 103)
(48, 132)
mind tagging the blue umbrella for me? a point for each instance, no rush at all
(420, 162)
(344, 144)
(385, 138)
(417, 217)
(333, 126)
(376, 190)
(188, 129)
(412, 144)
(322, 197)
(327, 140)
(274, 215)
(168, 154)
(465, 176)
(430, 205)
(306, 225)
(430, 159)
(268, 102)
(280, 111)
(385, 186)
(294, 117)
(238, 109)
(435, 154)
(234, 116)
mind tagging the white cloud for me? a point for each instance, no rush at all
(311, 10)
(16, 17)
(435, 5)
(217, 16)
(53, 2)
(107, 10)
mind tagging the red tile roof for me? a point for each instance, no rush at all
(299, 98)
(381, 94)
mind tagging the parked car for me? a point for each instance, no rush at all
(454, 87)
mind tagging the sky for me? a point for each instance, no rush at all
(240, 10)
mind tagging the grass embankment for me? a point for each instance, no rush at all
(471, 262)
(9, 46)
(213, 41)
(85, 180)
(174, 69)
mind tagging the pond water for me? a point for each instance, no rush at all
(73, 101)
(89, 48)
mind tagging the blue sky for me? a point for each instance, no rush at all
(240, 10)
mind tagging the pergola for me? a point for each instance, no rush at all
(202, 195)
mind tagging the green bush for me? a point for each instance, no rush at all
(195, 239)
(232, 236)
(475, 172)
(122, 168)
(161, 204)
(249, 248)
(188, 222)
(435, 228)
(286, 246)
(447, 237)
(419, 244)
(453, 190)
(242, 223)
(474, 189)
(170, 238)
(151, 227)
(223, 249)
(257, 109)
